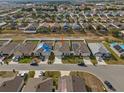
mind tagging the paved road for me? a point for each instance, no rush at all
(113, 73)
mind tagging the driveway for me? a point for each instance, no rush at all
(101, 61)
(58, 60)
(87, 61)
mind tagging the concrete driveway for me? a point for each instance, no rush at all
(87, 61)
(101, 61)
(58, 60)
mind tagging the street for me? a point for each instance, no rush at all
(112, 73)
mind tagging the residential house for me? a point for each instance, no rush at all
(39, 85)
(118, 49)
(14, 85)
(71, 84)
(80, 48)
(62, 48)
(25, 49)
(8, 49)
(31, 28)
(99, 50)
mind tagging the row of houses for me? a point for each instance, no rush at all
(58, 47)
(65, 84)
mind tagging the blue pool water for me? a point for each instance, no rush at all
(122, 46)
(114, 43)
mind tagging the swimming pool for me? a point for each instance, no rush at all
(122, 46)
(113, 43)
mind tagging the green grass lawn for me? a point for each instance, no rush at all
(115, 59)
(55, 75)
(93, 60)
(25, 60)
(33, 41)
(72, 60)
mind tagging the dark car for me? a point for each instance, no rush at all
(34, 64)
(81, 64)
(109, 85)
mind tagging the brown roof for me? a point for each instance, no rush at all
(71, 84)
(80, 47)
(9, 48)
(65, 47)
(38, 85)
(13, 85)
(26, 49)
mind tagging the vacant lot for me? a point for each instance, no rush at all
(93, 84)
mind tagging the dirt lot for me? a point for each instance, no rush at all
(93, 84)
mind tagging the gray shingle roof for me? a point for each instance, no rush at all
(71, 84)
(13, 85)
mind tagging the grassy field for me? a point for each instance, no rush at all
(93, 84)
(115, 59)
(7, 74)
(72, 60)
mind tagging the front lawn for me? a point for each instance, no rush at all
(72, 60)
(93, 60)
(25, 60)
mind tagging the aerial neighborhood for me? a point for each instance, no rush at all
(61, 46)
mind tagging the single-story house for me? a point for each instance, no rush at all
(62, 48)
(71, 84)
(25, 49)
(80, 48)
(99, 50)
(118, 49)
(31, 28)
(14, 85)
(8, 49)
(39, 85)
(42, 50)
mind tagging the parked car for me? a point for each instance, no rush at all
(81, 64)
(109, 85)
(33, 63)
